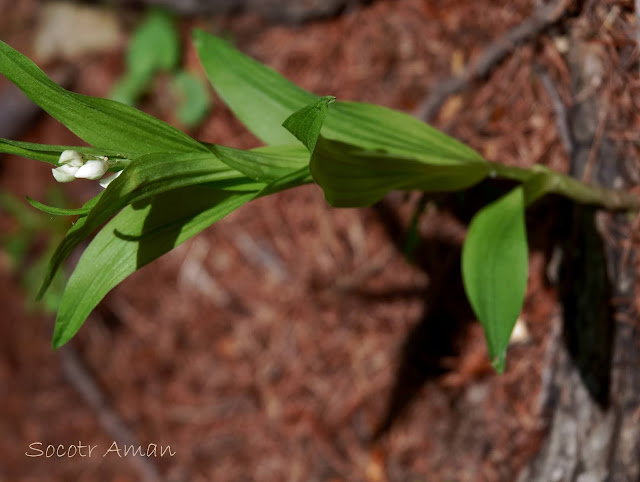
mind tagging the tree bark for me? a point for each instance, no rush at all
(592, 393)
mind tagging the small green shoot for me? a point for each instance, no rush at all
(154, 48)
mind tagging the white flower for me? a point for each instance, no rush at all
(92, 169)
(65, 173)
(72, 158)
(73, 165)
(107, 180)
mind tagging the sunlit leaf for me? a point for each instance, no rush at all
(264, 163)
(495, 268)
(372, 141)
(293, 179)
(306, 123)
(378, 128)
(141, 233)
(365, 150)
(155, 174)
(103, 123)
(260, 97)
(64, 211)
(50, 153)
(145, 177)
(353, 177)
(134, 238)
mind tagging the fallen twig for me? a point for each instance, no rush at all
(495, 52)
(80, 378)
(595, 146)
(559, 109)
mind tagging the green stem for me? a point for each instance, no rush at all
(540, 180)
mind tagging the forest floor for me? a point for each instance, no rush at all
(267, 348)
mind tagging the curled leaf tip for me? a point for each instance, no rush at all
(306, 123)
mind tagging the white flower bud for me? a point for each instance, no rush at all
(92, 169)
(72, 158)
(65, 173)
(107, 180)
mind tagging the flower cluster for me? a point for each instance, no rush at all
(73, 165)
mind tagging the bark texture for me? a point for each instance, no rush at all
(592, 392)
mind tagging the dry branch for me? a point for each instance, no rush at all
(559, 110)
(82, 381)
(493, 54)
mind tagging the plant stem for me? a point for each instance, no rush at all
(543, 180)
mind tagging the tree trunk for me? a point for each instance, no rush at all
(593, 389)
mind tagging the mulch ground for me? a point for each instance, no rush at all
(267, 347)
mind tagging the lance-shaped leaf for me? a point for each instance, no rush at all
(357, 166)
(264, 163)
(141, 233)
(366, 150)
(378, 128)
(134, 238)
(56, 211)
(50, 153)
(145, 177)
(495, 268)
(260, 97)
(154, 46)
(103, 123)
(154, 174)
(354, 177)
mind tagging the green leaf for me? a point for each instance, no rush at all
(154, 174)
(50, 153)
(366, 150)
(154, 46)
(353, 177)
(64, 211)
(377, 128)
(145, 177)
(141, 233)
(193, 98)
(134, 238)
(495, 268)
(264, 163)
(103, 123)
(260, 97)
(288, 181)
(306, 123)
